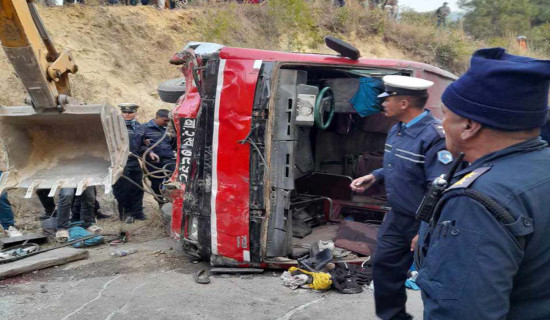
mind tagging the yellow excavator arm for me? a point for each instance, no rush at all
(43, 71)
(53, 141)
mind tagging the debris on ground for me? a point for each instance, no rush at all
(44, 260)
(122, 253)
(202, 276)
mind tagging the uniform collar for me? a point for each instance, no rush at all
(416, 119)
(415, 128)
(530, 145)
(133, 123)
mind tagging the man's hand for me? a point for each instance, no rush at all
(363, 183)
(414, 242)
(154, 156)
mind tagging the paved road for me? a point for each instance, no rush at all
(149, 285)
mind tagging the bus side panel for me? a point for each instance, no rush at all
(231, 158)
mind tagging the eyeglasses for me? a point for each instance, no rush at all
(128, 112)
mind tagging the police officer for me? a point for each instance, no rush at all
(130, 195)
(158, 156)
(486, 253)
(414, 155)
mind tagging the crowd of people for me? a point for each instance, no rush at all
(152, 150)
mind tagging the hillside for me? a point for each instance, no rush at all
(123, 52)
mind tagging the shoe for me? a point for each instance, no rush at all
(100, 215)
(62, 235)
(345, 280)
(46, 215)
(130, 220)
(95, 229)
(402, 316)
(12, 232)
(346, 285)
(140, 217)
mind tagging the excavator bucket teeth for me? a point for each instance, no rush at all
(86, 145)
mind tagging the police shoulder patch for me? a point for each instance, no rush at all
(439, 129)
(444, 157)
(468, 179)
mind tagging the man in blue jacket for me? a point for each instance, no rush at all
(414, 155)
(486, 253)
(158, 149)
(128, 189)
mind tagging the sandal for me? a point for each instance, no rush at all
(94, 229)
(202, 276)
(62, 235)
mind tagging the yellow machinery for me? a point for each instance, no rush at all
(53, 141)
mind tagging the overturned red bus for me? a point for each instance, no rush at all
(266, 154)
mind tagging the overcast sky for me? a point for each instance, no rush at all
(428, 5)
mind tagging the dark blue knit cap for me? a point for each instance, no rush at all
(502, 91)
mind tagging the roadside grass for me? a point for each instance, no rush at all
(300, 25)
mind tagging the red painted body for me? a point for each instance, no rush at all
(236, 87)
(187, 107)
(231, 184)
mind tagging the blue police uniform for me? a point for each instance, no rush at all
(129, 196)
(475, 267)
(151, 131)
(414, 155)
(165, 149)
(486, 252)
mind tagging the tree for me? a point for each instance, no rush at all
(496, 18)
(542, 12)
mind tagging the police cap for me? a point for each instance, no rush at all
(128, 107)
(405, 86)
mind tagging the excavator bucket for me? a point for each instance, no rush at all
(85, 145)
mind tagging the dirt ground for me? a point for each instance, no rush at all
(27, 212)
(157, 283)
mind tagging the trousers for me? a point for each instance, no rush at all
(391, 262)
(6, 212)
(128, 195)
(66, 197)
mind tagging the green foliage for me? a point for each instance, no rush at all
(342, 18)
(542, 12)
(496, 18)
(417, 34)
(499, 21)
(539, 37)
(296, 19)
(219, 24)
(352, 18)
(375, 22)
(300, 25)
(418, 18)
